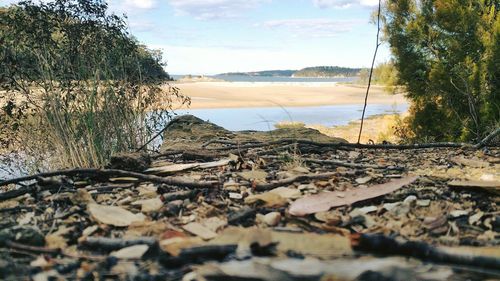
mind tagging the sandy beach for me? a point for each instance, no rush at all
(262, 94)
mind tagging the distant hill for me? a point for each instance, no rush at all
(327, 71)
(313, 72)
(267, 73)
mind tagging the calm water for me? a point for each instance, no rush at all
(261, 119)
(243, 78)
(264, 118)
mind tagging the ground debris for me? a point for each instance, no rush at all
(259, 212)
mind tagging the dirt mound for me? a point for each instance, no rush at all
(188, 131)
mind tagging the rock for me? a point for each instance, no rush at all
(24, 234)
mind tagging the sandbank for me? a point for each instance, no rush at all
(264, 94)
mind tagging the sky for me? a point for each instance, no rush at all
(216, 36)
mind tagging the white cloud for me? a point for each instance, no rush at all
(140, 4)
(344, 3)
(313, 27)
(213, 9)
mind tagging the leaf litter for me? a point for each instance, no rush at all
(270, 217)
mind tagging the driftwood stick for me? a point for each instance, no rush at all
(288, 181)
(32, 249)
(382, 245)
(114, 172)
(488, 138)
(352, 165)
(101, 172)
(115, 243)
(235, 146)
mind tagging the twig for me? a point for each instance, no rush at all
(32, 249)
(383, 245)
(288, 181)
(339, 145)
(101, 172)
(487, 139)
(352, 165)
(371, 72)
(158, 134)
(115, 243)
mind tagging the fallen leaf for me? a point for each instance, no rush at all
(149, 205)
(470, 162)
(199, 230)
(311, 244)
(491, 186)
(132, 252)
(113, 215)
(175, 245)
(286, 192)
(269, 199)
(146, 228)
(214, 223)
(253, 175)
(363, 180)
(322, 202)
(169, 169)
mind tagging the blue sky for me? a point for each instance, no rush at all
(214, 36)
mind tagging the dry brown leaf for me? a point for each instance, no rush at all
(169, 169)
(175, 245)
(199, 230)
(322, 202)
(491, 186)
(269, 199)
(286, 192)
(311, 244)
(470, 162)
(253, 175)
(113, 215)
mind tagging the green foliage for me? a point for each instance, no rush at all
(447, 56)
(74, 82)
(384, 74)
(327, 71)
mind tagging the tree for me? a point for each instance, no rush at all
(73, 77)
(446, 54)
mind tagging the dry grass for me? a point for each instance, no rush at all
(378, 128)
